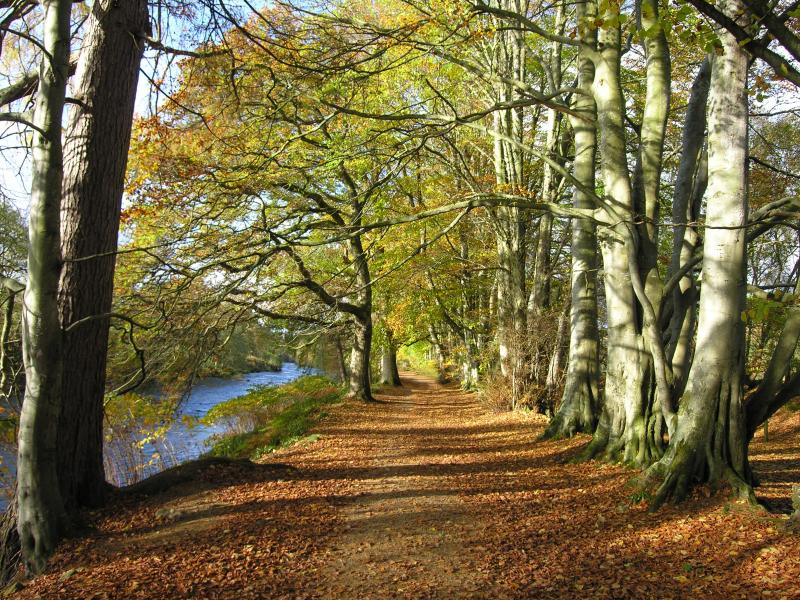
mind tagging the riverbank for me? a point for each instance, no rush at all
(267, 419)
(141, 439)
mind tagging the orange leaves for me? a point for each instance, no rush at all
(425, 495)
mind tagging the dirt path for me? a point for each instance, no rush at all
(406, 530)
(427, 495)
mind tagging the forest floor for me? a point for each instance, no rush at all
(429, 495)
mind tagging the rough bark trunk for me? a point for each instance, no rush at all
(710, 443)
(580, 401)
(340, 362)
(9, 544)
(42, 518)
(6, 370)
(95, 158)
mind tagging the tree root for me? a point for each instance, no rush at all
(678, 476)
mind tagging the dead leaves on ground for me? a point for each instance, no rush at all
(429, 496)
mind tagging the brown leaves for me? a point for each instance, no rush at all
(428, 496)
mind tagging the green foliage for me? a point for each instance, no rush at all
(414, 357)
(639, 496)
(249, 348)
(135, 413)
(760, 309)
(279, 416)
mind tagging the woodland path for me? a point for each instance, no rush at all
(427, 494)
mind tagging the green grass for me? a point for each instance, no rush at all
(283, 416)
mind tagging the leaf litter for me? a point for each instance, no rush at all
(429, 495)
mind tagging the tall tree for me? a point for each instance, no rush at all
(710, 443)
(42, 518)
(95, 157)
(580, 402)
(509, 65)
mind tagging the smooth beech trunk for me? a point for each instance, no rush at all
(509, 222)
(41, 515)
(690, 186)
(637, 406)
(390, 375)
(440, 354)
(580, 401)
(710, 443)
(622, 430)
(95, 157)
(551, 184)
(360, 384)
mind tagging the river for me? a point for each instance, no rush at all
(183, 441)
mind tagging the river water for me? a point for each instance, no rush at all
(183, 441)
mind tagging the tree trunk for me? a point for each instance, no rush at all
(771, 393)
(439, 351)
(42, 518)
(340, 362)
(6, 369)
(690, 186)
(95, 158)
(580, 401)
(390, 375)
(509, 223)
(638, 402)
(469, 330)
(622, 430)
(360, 384)
(540, 285)
(554, 366)
(710, 443)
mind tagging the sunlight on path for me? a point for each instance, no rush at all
(406, 529)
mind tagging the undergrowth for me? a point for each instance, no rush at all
(269, 418)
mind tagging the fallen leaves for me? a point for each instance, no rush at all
(428, 496)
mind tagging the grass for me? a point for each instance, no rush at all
(277, 417)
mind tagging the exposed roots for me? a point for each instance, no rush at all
(559, 428)
(679, 474)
